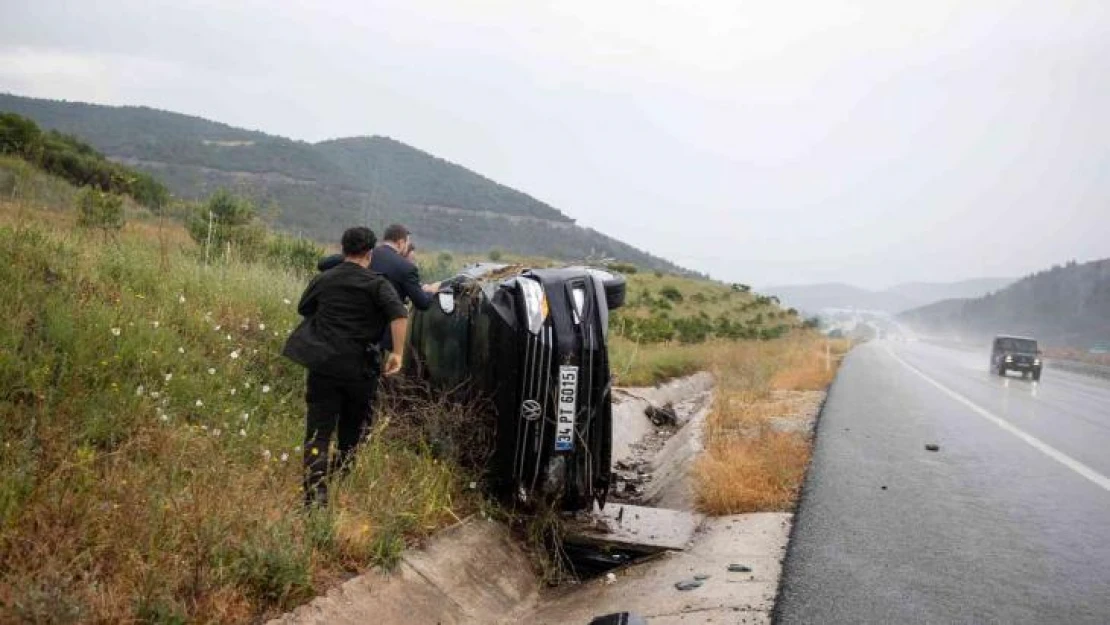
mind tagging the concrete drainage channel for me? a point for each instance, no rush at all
(647, 553)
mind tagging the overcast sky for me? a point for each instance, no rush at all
(769, 142)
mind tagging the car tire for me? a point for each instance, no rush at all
(1001, 371)
(1036, 376)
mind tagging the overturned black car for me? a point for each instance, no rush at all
(533, 343)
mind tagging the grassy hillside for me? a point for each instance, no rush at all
(1065, 306)
(150, 468)
(318, 189)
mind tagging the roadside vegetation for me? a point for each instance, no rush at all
(756, 450)
(150, 468)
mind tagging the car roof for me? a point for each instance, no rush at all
(1011, 336)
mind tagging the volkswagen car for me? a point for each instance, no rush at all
(533, 342)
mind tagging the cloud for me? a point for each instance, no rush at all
(872, 142)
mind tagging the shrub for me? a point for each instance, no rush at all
(625, 268)
(693, 329)
(296, 253)
(226, 223)
(495, 255)
(101, 210)
(671, 293)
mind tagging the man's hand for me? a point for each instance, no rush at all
(392, 364)
(432, 288)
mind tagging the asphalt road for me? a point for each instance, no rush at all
(1009, 522)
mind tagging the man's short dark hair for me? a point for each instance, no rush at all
(396, 233)
(358, 240)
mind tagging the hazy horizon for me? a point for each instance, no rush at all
(862, 143)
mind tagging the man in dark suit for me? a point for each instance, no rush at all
(393, 259)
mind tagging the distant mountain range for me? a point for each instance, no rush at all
(813, 298)
(320, 188)
(1064, 306)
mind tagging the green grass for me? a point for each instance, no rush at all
(151, 432)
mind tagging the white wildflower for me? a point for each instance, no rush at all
(204, 426)
(284, 457)
(155, 324)
(217, 328)
(242, 432)
(246, 416)
(169, 376)
(297, 449)
(246, 384)
(266, 454)
(233, 389)
(265, 388)
(211, 371)
(262, 327)
(200, 404)
(115, 331)
(286, 300)
(139, 391)
(229, 337)
(235, 355)
(165, 418)
(275, 333)
(216, 432)
(155, 394)
(180, 299)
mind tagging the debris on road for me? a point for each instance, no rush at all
(662, 415)
(739, 568)
(688, 584)
(932, 447)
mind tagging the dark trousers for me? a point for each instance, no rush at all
(340, 406)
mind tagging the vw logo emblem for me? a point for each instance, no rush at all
(531, 410)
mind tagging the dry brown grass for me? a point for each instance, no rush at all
(747, 465)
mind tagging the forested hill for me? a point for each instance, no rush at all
(320, 188)
(1064, 306)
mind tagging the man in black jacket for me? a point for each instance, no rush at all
(346, 310)
(392, 260)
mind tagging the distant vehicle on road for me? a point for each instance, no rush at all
(1016, 353)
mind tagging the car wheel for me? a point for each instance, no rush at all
(1036, 376)
(1001, 371)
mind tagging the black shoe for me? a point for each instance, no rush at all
(316, 497)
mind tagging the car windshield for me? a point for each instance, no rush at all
(1027, 346)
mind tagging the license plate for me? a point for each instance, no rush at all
(568, 405)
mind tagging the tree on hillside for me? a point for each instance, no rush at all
(226, 224)
(101, 210)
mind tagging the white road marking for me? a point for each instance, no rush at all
(1041, 446)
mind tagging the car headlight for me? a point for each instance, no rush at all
(1009, 358)
(578, 297)
(535, 303)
